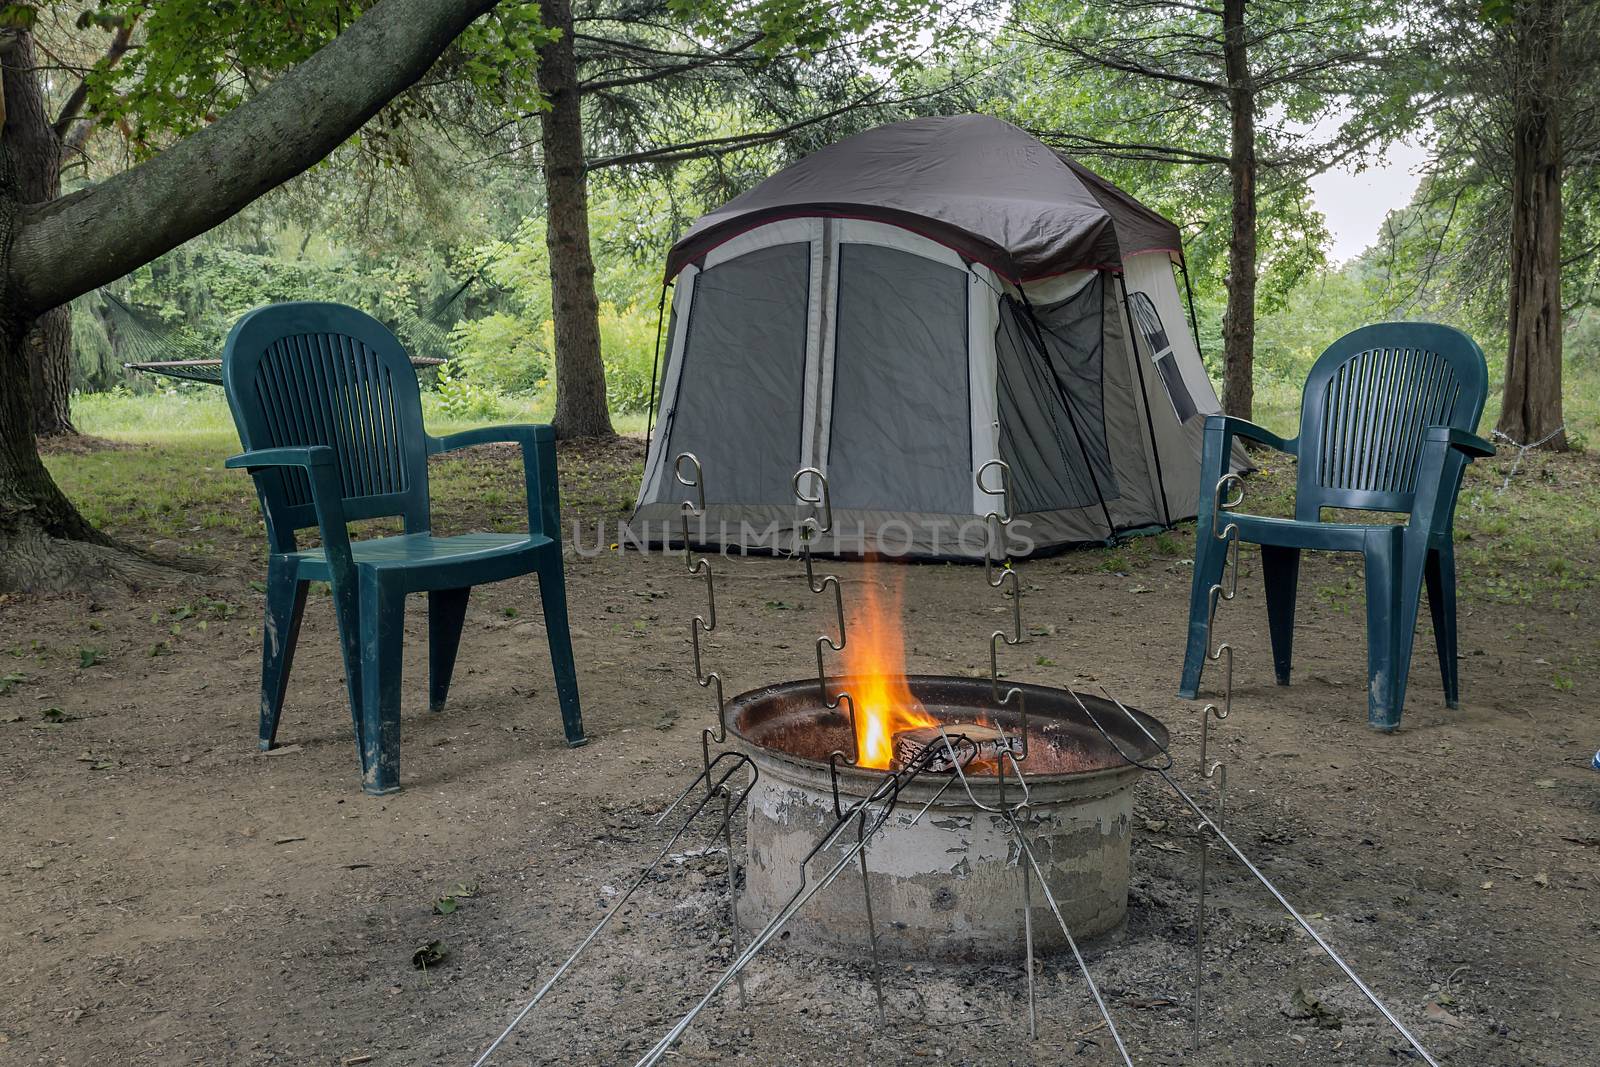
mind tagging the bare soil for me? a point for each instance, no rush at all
(170, 895)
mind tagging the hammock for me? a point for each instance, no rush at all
(209, 371)
(164, 350)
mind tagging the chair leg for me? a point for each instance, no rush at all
(1386, 666)
(286, 604)
(1280, 569)
(553, 595)
(447, 611)
(1441, 577)
(383, 617)
(1210, 557)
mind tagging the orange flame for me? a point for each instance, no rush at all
(874, 657)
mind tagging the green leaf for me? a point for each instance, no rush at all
(430, 955)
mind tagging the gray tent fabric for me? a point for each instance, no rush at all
(735, 413)
(900, 383)
(901, 310)
(974, 184)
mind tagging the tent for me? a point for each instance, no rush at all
(899, 309)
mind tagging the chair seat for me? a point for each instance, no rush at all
(422, 551)
(1297, 533)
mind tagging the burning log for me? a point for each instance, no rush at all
(970, 742)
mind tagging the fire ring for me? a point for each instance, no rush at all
(947, 886)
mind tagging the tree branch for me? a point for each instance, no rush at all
(80, 94)
(671, 69)
(70, 245)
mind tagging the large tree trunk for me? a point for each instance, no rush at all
(36, 154)
(1239, 319)
(1531, 408)
(580, 375)
(54, 251)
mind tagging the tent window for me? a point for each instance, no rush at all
(900, 436)
(1148, 321)
(738, 401)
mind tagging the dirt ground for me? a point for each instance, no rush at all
(170, 895)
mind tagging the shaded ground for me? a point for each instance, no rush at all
(171, 896)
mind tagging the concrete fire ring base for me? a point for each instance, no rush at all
(947, 886)
(950, 886)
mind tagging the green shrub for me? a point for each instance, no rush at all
(501, 351)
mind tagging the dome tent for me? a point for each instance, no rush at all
(904, 306)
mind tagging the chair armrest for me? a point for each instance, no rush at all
(538, 443)
(1471, 444)
(1233, 427)
(308, 457)
(327, 497)
(522, 433)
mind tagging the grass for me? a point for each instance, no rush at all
(164, 487)
(170, 413)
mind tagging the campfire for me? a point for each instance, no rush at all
(944, 885)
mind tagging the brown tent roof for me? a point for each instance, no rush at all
(975, 184)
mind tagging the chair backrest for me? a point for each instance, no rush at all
(1366, 405)
(324, 374)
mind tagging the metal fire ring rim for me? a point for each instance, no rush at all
(1044, 789)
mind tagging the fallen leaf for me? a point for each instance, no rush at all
(1486, 885)
(1435, 1013)
(430, 955)
(1541, 879)
(445, 905)
(1167, 846)
(1303, 1005)
(35, 865)
(1545, 783)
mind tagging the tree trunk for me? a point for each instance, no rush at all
(54, 251)
(1239, 319)
(580, 375)
(35, 152)
(1531, 407)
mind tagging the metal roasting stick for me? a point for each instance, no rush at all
(1013, 820)
(1164, 770)
(822, 522)
(1226, 589)
(730, 806)
(886, 795)
(706, 624)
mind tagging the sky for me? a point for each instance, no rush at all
(1355, 205)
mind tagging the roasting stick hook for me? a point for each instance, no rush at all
(703, 624)
(820, 521)
(1228, 495)
(996, 525)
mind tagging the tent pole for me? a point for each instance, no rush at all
(1066, 402)
(655, 363)
(1149, 423)
(1194, 323)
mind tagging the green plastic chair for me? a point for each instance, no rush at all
(327, 407)
(1386, 424)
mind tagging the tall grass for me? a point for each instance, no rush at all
(204, 411)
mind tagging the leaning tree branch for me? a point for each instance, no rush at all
(68, 246)
(80, 94)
